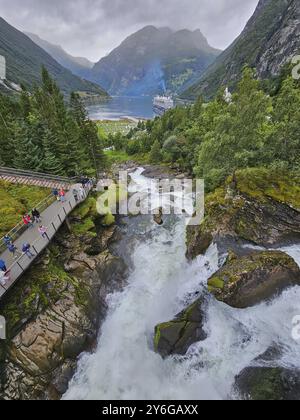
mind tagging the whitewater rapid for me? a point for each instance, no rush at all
(161, 284)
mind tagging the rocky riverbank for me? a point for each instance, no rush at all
(255, 212)
(55, 312)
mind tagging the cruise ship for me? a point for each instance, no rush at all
(161, 104)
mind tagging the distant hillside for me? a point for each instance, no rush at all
(77, 65)
(25, 59)
(153, 60)
(270, 39)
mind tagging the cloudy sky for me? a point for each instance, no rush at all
(92, 28)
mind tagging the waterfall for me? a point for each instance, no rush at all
(162, 283)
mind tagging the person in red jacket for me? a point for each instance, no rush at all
(62, 195)
(27, 221)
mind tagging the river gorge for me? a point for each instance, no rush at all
(99, 325)
(162, 283)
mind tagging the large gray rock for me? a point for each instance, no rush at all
(251, 279)
(176, 337)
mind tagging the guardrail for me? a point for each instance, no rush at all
(23, 262)
(35, 175)
(20, 228)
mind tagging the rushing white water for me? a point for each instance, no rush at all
(162, 283)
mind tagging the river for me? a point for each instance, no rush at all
(161, 283)
(121, 107)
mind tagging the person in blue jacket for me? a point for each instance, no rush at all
(3, 266)
(26, 248)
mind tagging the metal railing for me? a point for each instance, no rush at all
(23, 262)
(19, 173)
(20, 228)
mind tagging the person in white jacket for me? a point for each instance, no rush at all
(3, 278)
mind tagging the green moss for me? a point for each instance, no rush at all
(15, 200)
(235, 269)
(109, 220)
(266, 385)
(216, 283)
(263, 184)
(87, 208)
(86, 226)
(157, 337)
(39, 288)
(158, 331)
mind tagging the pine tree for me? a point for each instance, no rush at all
(51, 162)
(155, 154)
(27, 155)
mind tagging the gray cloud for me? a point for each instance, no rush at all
(91, 28)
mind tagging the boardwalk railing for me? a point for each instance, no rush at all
(35, 178)
(4, 171)
(20, 228)
(23, 262)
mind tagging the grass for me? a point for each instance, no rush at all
(107, 127)
(15, 200)
(115, 156)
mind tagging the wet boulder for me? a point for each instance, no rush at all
(259, 206)
(247, 281)
(176, 336)
(268, 384)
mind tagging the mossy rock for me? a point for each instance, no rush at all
(176, 337)
(251, 279)
(256, 205)
(108, 220)
(268, 384)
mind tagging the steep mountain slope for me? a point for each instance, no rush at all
(24, 60)
(270, 39)
(77, 65)
(153, 60)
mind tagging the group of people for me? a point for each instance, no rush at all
(29, 220)
(60, 195)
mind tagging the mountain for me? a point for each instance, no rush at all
(77, 65)
(270, 39)
(153, 60)
(24, 60)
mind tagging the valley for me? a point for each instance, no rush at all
(133, 297)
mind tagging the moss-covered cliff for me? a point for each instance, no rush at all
(53, 313)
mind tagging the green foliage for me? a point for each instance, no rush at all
(40, 132)
(25, 59)
(257, 40)
(15, 200)
(213, 140)
(155, 154)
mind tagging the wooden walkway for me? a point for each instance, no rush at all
(53, 218)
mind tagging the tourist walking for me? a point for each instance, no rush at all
(43, 232)
(14, 251)
(7, 240)
(62, 195)
(55, 193)
(36, 216)
(26, 248)
(3, 266)
(27, 221)
(4, 277)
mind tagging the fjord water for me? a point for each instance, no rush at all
(161, 283)
(119, 107)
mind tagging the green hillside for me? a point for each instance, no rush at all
(25, 59)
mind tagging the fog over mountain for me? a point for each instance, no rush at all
(92, 28)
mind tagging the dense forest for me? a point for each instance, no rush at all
(257, 126)
(41, 132)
